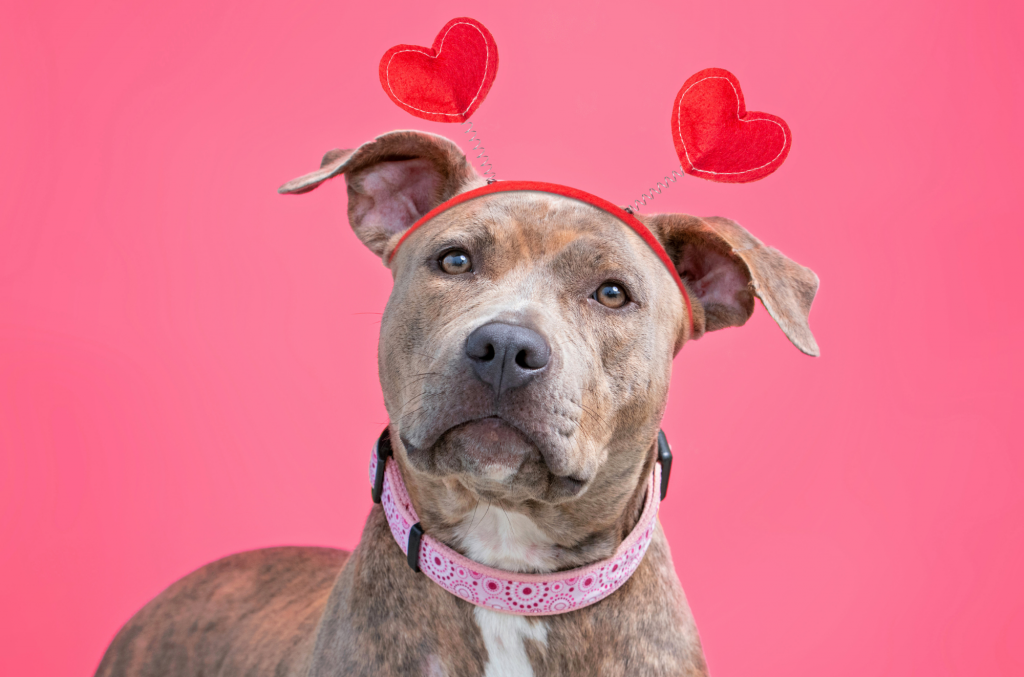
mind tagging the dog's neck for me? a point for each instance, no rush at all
(529, 537)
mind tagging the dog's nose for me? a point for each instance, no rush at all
(506, 356)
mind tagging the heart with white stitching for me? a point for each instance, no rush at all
(445, 83)
(718, 139)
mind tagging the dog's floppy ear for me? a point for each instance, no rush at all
(393, 181)
(725, 267)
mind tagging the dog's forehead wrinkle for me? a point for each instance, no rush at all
(540, 215)
(549, 235)
(583, 259)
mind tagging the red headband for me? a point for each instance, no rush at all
(565, 191)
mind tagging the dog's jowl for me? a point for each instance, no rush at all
(525, 358)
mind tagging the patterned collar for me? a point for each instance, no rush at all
(515, 593)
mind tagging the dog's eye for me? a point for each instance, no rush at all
(455, 262)
(611, 294)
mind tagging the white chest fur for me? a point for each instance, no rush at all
(511, 541)
(506, 540)
(505, 637)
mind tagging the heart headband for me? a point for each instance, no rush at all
(714, 135)
(715, 138)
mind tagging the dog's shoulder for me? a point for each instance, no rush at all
(227, 611)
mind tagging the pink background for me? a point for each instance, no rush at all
(187, 359)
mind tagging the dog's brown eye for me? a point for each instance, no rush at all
(611, 294)
(455, 262)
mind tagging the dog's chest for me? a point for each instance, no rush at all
(506, 540)
(505, 637)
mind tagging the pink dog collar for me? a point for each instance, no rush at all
(623, 214)
(509, 592)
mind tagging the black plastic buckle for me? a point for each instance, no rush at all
(413, 551)
(665, 457)
(383, 452)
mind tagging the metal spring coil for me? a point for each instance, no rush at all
(487, 169)
(655, 190)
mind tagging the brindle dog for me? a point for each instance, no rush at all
(525, 358)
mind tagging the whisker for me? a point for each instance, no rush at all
(510, 527)
(481, 517)
(419, 378)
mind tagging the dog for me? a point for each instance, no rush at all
(525, 356)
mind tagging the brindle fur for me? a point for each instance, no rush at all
(572, 449)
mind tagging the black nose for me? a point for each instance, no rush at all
(506, 356)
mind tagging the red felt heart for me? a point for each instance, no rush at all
(717, 139)
(448, 82)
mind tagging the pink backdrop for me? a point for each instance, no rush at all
(187, 359)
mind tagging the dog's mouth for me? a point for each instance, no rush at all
(489, 445)
(494, 457)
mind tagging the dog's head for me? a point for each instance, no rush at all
(526, 350)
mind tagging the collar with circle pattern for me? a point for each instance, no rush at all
(510, 592)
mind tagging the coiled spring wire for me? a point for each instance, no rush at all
(655, 190)
(486, 168)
